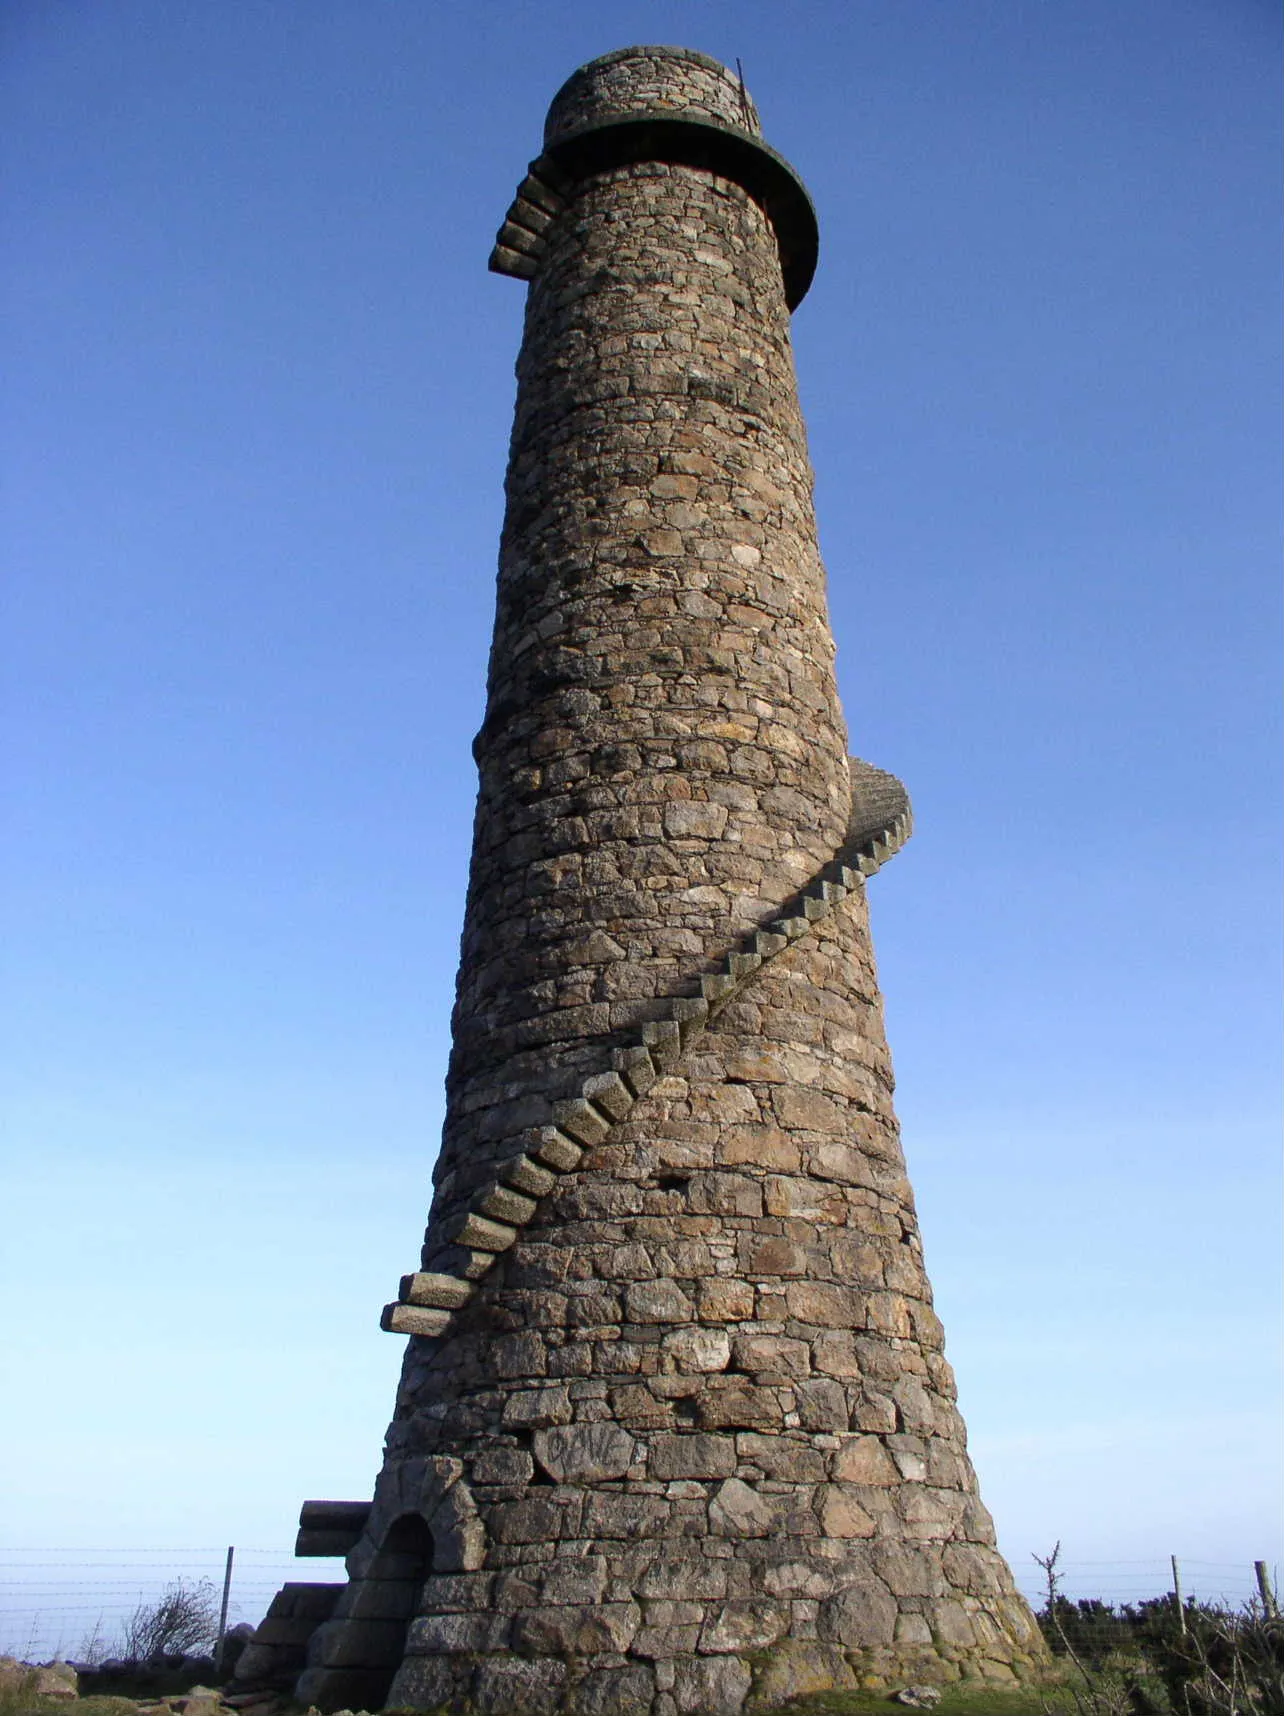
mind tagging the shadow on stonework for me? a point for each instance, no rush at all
(359, 1652)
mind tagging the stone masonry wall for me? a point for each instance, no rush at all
(696, 1425)
(638, 81)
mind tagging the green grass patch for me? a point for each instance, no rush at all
(959, 1698)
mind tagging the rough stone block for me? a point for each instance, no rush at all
(863, 1617)
(527, 1176)
(532, 1408)
(412, 1320)
(637, 1069)
(585, 1453)
(503, 1204)
(723, 1300)
(581, 1579)
(657, 1302)
(692, 1456)
(744, 1626)
(554, 1149)
(576, 1630)
(739, 1511)
(504, 1685)
(581, 1121)
(712, 1686)
(864, 1461)
(476, 1232)
(609, 1092)
(442, 1292)
(841, 1512)
(613, 1692)
(432, 1635)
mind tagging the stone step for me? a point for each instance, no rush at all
(609, 1093)
(663, 1039)
(551, 1146)
(690, 1014)
(490, 1227)
(528, 1176)
(534, 190)
(440, 1292)
(414, 1320)
(636, 1068)
(531, 216)
(514, 237)
(478, 1233)
(512, 262)
(581, 1121)
(503, 1204)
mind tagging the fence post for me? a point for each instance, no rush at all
(1181, 1607)
(222, 1614)
(1264, 1587)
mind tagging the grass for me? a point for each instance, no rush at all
(959, 1698)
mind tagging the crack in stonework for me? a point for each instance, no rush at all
(879, 825)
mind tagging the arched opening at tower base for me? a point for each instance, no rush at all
(353, 1660)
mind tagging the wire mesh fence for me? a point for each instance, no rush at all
(75, 1602)
(1229, 1583)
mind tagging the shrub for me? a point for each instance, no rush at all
(183, 1621)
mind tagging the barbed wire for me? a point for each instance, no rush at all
(40, 1611)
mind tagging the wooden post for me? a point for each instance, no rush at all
(1264, 1587)
(222, 1614)
(1181, 1607)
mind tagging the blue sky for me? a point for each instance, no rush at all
(258, 399)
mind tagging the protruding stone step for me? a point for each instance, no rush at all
(833, 892)
(531, 216)
(690, 1014)
(503, 1204)
(328, 1543)
(814, 909)
(791, 928)
(636, 1068)
(549, 1145)
(528, 1176)
(534, 190)
(717, 986)
(663, 1039)
(330, 1527)
(442, 1292)
(414, 1320)
(742, 965)
(581, 1120)
(769, 945)
(512, 262)
(609, 1092)
(477, 1233)
(514, 237)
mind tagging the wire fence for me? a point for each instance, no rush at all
(74, 1602)
(1229, 1583)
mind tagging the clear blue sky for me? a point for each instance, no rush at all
(258, 393)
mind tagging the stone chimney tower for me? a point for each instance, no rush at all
(675, 1432)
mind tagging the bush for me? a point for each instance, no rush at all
(183, 1621)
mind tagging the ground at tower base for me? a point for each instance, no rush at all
(675, 1433)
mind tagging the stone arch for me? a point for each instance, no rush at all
(423, 1522)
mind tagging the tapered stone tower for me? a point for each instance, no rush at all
(675, 1432)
